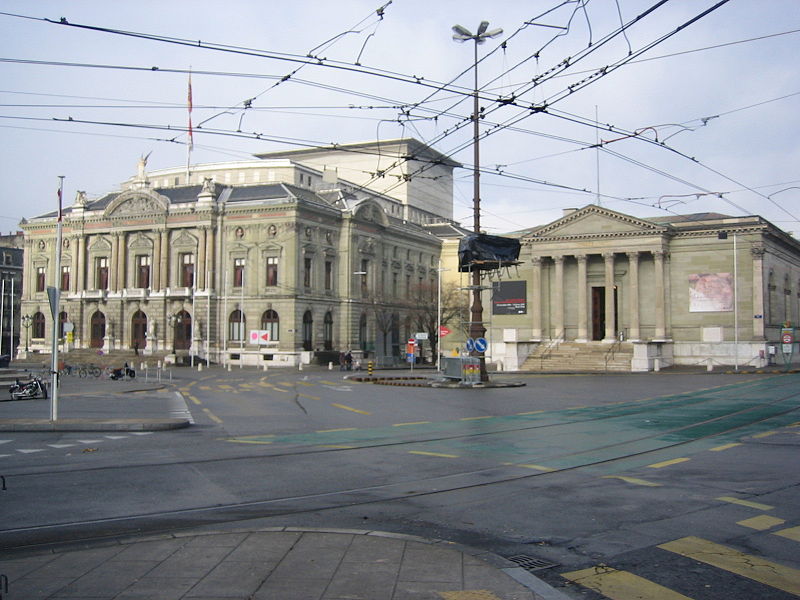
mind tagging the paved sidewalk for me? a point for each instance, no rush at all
(270, 564)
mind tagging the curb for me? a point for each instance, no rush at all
(93, 424)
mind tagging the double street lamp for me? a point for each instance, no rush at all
(476, 328)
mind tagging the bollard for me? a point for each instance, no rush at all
(300, 366)
(330, 366)
(265, 366)
(199, 366)
(229, 366)
(656, 364)
(370, 368)
(710, 366)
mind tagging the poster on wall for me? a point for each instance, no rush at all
(710, 292)
(509, 297)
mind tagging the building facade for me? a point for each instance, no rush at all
(265, 262)
(703, 289)
(11, 325)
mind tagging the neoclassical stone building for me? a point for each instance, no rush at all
(262, 262)
(638, 294)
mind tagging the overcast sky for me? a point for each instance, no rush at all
(694, 117)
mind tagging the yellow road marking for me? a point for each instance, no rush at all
(753, 567)
(476, 418)
(337, 446)
(239, 441)
(668, 463)
(724, 447)
(333, 430)
(747, 503)
(764, 434)
(633, 480)
(533, 412)
(309, 396)
(468, 595)
(225, 386)
(351, 409)
(535, 467)
(793, 533)
(433, 454)
(205, 388)
(329, 382)
(212, 416)
(193, 399)
(306, 383)
(621, 585)
(761, 522)
(412, 423)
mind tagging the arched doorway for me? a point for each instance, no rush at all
(138, 330)
(97, 325)
(183, 331)
(308, 329)
(327, 331)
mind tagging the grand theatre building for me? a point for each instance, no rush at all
(262, 262)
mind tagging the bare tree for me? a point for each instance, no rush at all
(424, 308)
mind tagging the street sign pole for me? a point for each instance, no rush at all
(54, 301)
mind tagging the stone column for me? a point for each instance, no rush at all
(633, 295)
(583, 302)
(122, 257)
(164, 259)
(757, 252)
(155, 279)
(660, 300)
(112, 266)
(610, 333)
(200, 279)
(536, 295)
(210, 267)
(557, 309)
(80, 273)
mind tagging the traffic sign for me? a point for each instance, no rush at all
(470, 345)
(787, 338)
(481, 344)
(443, 331)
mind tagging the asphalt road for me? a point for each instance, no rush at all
(596, 482)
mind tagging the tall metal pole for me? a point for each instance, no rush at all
(2, 314)
(56, 312)
(735, 308)
(439, 317)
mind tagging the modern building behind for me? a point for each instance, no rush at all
(11, 256)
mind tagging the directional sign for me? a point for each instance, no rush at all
(470, 345)
(481, 344)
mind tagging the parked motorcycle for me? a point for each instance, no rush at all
(28, 390)
(124, 373)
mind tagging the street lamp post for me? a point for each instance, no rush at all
(26, 323)
(476, 328)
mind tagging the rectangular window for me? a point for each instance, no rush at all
(41, 275)
(328, 275)
(307, 272)
(408, 286)
(65, 279)
(142, 272)
(395, 277)
(364, 274)
(101, 273)
(272, 271)
(187, 270)
(238, 272)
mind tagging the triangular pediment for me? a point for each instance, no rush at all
(137, 203)
(596, 222)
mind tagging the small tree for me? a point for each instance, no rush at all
(424, 309)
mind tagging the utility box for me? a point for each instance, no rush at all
(466, 369)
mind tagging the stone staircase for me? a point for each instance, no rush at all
(590, 357)
(86, 356)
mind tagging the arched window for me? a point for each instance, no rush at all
(38, 325)
(236, 325)
(308, 330)
(362, 332)
(271, 324)
(62, 319)
(183, 331)
(327, 331)
(138, 330)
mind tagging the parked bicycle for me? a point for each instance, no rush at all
(89, 370)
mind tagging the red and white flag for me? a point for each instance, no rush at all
(191, 136)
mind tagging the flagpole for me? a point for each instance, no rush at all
(56, 312)
(191, 133)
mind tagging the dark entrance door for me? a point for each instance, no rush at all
(98, 329)
(598, 313)
(138, 330)
(183, 331)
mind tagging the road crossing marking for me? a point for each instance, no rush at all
(476, 418)
(30, 451)
(351, 409)
(724, 447)
(59, 446)
(764, 434)
(411, 423)
(334, 430)
(309, 396)
(621, 585)
(633, 480)
(90, 441)
(667, 463)
(437, 454)
(746, 503)
(5, 441)
(761, 522)
(753, 567)
(116, 437)
(793, 533)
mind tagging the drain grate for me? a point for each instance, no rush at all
(531, 563)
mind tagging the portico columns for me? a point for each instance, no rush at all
(608, 258)
(164, 259)
(558, 298)
(156, 279)
(660, 304)
(757, 253)
(201, 262)
(583, 306)
(536, 300)
(633, 294)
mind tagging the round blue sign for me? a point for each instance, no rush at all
(470, 345)
(481, 344)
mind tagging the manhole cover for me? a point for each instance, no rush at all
(531, 563)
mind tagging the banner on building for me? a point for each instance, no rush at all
(710, 292)
(509, 297)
